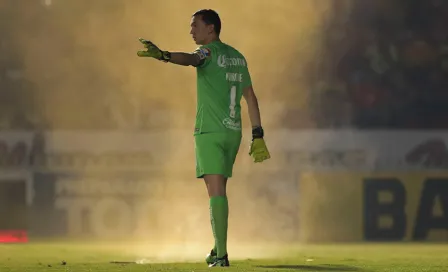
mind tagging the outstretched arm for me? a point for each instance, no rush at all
(185, 59)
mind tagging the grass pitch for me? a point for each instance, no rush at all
(74, 257)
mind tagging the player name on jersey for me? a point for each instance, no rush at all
(234, 77)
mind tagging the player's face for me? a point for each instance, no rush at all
(199, 30)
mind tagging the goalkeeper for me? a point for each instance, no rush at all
(222, 79)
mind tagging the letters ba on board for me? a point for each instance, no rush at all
(380, 207)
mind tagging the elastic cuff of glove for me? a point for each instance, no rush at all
(257, 132)
(166, 56)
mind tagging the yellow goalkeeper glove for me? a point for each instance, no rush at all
(153, 51)
(258, 150)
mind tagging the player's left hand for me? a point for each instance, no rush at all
(152, 51)
(258, 149)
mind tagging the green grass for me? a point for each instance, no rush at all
(37, 257)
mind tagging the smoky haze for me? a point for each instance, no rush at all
(88, 49)
(80, 58)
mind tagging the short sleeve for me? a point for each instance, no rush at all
(204, 54)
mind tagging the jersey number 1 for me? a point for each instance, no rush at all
(232, 101)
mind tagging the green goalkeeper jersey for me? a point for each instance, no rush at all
(221, 78)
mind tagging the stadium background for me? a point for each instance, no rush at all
(97, 143)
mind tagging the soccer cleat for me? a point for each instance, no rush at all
(211, 257)
(220, 262)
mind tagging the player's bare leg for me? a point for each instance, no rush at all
(216, 185)
(219, 213)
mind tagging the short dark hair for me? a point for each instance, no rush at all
(210, 17)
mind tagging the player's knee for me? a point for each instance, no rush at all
(216, 185)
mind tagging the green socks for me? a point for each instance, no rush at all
(219, 214)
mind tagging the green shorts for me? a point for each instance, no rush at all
(216, 153)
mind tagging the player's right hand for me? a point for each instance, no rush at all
(258, 149)
(152, 51)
